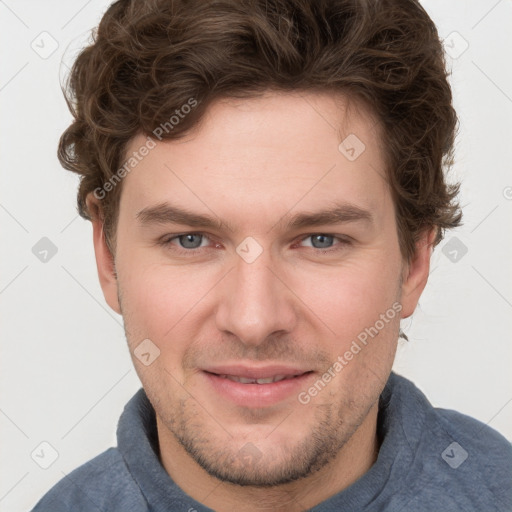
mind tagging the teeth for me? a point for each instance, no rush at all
(277, 378)
(243, 380)
(267, 380)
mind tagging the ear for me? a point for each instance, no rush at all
(415, 273)
(104, 259)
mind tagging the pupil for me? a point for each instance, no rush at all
(324, 241)
(187, 241)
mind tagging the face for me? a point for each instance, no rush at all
(262, 262)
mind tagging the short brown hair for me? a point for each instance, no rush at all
(149, 58)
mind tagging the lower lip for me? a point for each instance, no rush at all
(258, 395)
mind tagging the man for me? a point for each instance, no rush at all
(265, 182)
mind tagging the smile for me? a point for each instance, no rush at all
(267, 380)
(249, 386)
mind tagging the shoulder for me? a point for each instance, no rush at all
(480, 454)
(458, 459)
(481, 438)
(102, 484)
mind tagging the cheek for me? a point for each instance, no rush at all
(157, 300)
(344, 301)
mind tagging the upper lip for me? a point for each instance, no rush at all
(256, 372)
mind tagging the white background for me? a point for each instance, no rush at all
(65, 370)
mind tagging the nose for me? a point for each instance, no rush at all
(255, 301)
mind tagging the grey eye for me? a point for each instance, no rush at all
(190, 240)
(321, 241)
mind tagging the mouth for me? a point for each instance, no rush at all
(256, 387)
(264, 380)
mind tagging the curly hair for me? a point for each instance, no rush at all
(148, 59)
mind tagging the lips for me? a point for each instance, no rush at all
(252, 386)
(265, 380)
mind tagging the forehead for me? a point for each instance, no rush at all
(270, 153)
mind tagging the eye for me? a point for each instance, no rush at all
(321, 241)
(190, 240)
(325, 241)
(186, 242)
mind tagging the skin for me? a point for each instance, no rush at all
(252, 163)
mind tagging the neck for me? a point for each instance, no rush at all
(355, 458)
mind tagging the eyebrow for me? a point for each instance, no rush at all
(338, 214)
(165, 213)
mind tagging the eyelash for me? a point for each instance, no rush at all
(166, 242)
